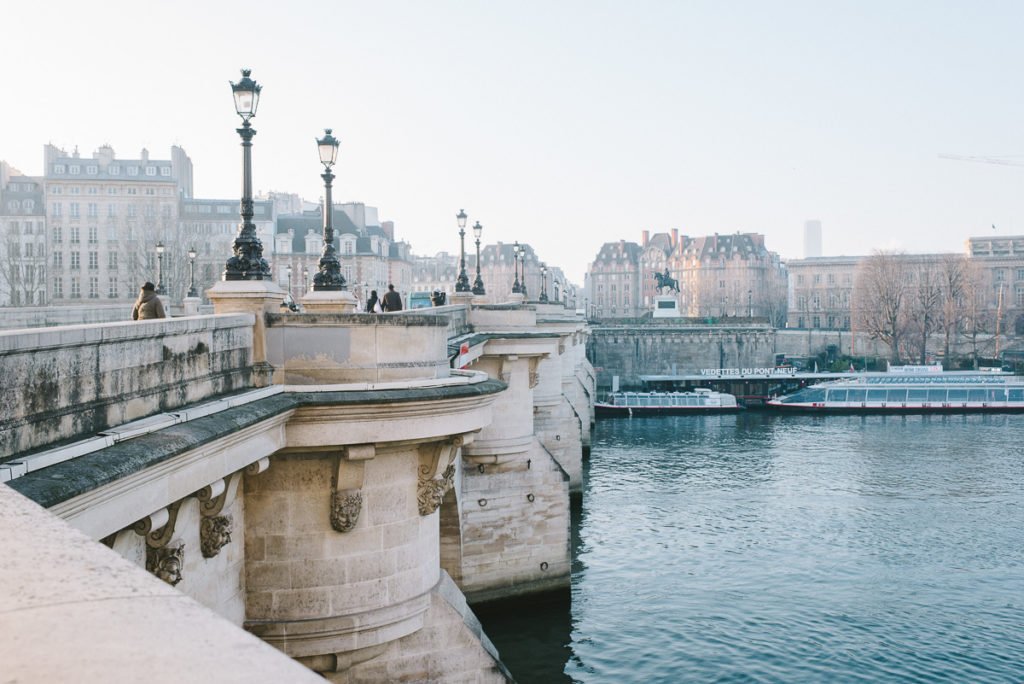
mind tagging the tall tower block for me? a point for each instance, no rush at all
(812, 239)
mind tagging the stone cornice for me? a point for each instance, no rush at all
(240, 435)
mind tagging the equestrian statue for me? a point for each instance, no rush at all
(666, 282)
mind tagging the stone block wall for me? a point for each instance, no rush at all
(65, 382)
(676, 350)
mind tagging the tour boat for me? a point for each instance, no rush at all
(698, 401)
(921, 389)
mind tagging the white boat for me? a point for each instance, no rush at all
(698, 401)
(915, 389)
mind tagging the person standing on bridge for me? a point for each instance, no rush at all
(148, 305)
(373, 303)
(392, 300)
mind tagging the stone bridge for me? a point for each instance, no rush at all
(341, 486)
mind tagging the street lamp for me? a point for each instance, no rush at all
(329, 276)
(247, 262)
(543, 283)
(160, 268)
(522, 267)
(478, 284)
(288, 272)
(305, 277)
(516, 287)
(750, 303)
(192, 272)
(462, 282)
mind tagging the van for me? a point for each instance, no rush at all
(419, 300)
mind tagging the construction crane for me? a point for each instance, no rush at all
(1002, 160)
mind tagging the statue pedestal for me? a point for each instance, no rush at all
(516, 298)
(190, 306)
(666, 306)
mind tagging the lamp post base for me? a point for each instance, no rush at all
(329, 301)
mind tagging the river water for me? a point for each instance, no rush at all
(758, 547)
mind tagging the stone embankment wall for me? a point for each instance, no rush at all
(653, 349)
(62, 383)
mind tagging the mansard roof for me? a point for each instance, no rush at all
(620, 251)
(745, 245)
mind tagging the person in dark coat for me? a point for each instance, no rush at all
(373, 304)
(392, 300)
(148, 305)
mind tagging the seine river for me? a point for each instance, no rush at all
(763, 548)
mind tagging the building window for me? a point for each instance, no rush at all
(94, 287)
(111, 210)
(150, 170)
(165, 171)
(93, 235)
(114, 170)
(133, 170)
(74, 235)
(91, 169)
(56, 190)
(800, 281)
(55, 208)
(94, 261)
(817, 280)
(58, 260)
(58, 288)
(58, 234)
(817, 322)
(76, 288)
(93, 210)
(74, 210)
(1000, 275)
(75, 263)
(112, 289)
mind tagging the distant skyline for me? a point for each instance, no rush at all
(564, 125)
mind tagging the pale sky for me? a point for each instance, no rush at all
(561, 124)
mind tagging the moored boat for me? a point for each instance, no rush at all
(924, 389)
(698, 401)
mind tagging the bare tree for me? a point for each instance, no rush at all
(881, 292)
(953, 274)
(978, 321)
(924, 310)
(22, 266)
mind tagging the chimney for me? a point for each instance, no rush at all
(675, 237)
(145, 154)
(646, 237)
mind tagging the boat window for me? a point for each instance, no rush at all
(1015, 394)
(837, 395)
(856, 395)
(958, 394)
(917, 395)
(938, 395)
(692, 401)
(976, 395)
(805, 396)
(876, 394)
(897, 395)
(997, 394)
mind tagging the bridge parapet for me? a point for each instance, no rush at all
(60, 383)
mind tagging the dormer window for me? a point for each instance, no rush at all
(92, 169)
(74, 169)
(114, 170)
(59, 168)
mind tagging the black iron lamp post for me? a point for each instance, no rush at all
(288, 272)
(192, 273)
(522, 268)
(305, 278)
(247, 262)
(543, 283)
(462, 282)
(160, 268)
(329, 277)
(478, 284)
(750, 303)
(516, 286)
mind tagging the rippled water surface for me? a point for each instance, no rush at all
(764, 548)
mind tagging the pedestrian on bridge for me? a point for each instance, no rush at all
(392, 300)
(148, 305)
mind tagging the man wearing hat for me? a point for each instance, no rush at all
(148, 305)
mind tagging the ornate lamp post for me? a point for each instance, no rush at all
(522, 268)
(750, 303)
(288, 272)
(516, 287)
(160, 268)
(462, 282)
(305, 278)
(247, 263)
(543, 283)
(478, 284)
(329, 276)
(192, 273)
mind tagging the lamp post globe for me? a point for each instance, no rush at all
(328, 276)
(478, 284)
(543, 283)
(462, 282)
(246, 262)
(192, 272)
(160, 268)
